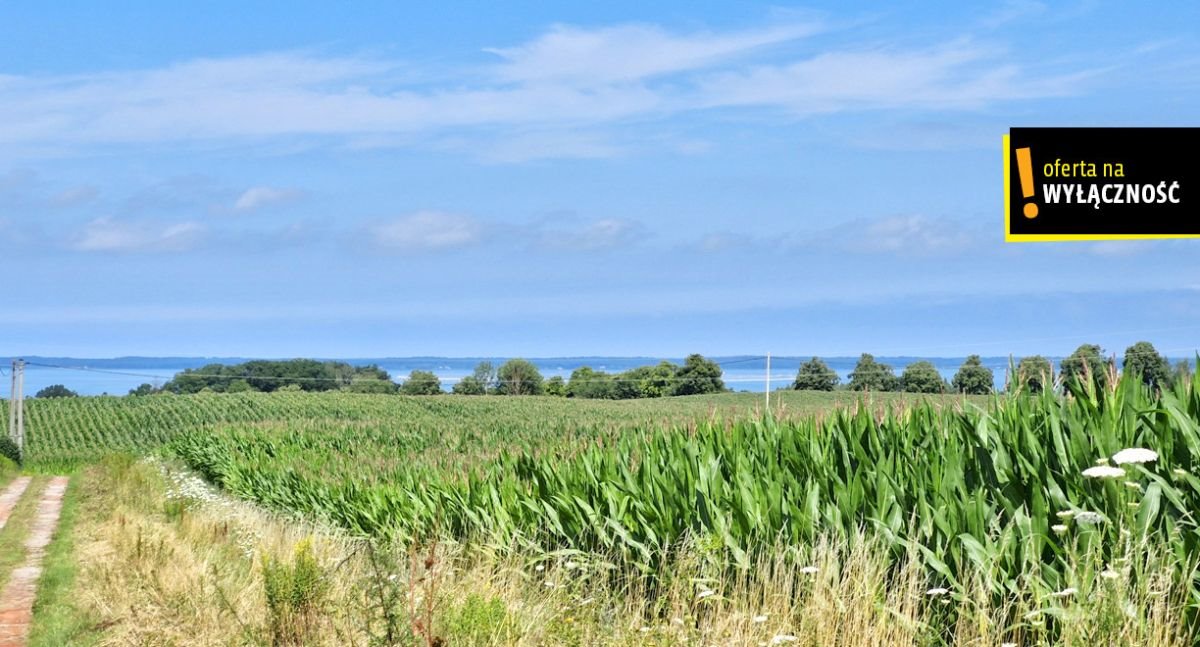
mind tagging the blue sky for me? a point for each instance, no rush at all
(560, 179)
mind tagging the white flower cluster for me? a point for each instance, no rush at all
(192, 490)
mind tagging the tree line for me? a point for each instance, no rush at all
(696, 375)
(1034, 373)
(276, 375)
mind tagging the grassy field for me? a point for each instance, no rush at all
(699, 520)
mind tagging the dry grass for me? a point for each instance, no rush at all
(167, 563)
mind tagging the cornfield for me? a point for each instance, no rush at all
(1008, 489)
(1033, 498)
(63, 432)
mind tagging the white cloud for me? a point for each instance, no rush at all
(903, 234)
(723, 241)
(568, 78)
(263, 196)
(627, 53)
(109, 235)
(957, 75)
(606, 233)
(1118, 248)
(427, 230)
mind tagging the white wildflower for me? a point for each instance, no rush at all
(1089, 518)
(706, 593)
(783, 638)
(644, 629)
(936, 591)
(1066, 514)
(1065, 593)
(1133, 485)
(1109, 574)
(760, 619)
(1135, 455)
(1104, 472)
(1058, 528)
(539, 568)
(809, 570)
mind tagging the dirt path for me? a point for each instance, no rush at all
(16, 601)
(12, 494)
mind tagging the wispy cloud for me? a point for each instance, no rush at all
(606, 233)
(628, 53)
(427, 230)
(264, 196)
(565, 81)
(904, 234)
(899, 235)
(957, 75)
(111, 235)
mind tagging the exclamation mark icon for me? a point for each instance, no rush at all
(1025, 171)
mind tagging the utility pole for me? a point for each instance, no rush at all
(12, 405)
(16, 406)
(21, 408)
(768, 396)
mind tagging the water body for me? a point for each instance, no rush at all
(741, 373)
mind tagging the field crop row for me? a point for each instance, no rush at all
(1008, 489)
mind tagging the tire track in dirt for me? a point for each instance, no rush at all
(16, 601)
(12, 494)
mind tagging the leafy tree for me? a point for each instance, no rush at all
(469, 385)
(378, 387)
(485, 373)
(239, 386)
(1143, 361)
(556, 386)
(144, 389)
(1034, 373)
(869, 375)
(1086, 362)
(973, 377)
(588, 383)
(815, 375)
(647, 381)
(698, 375)
(8, 450)
(519, 377)
(922, 377)
(421, 383)
(270, 375)
(56, 391)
